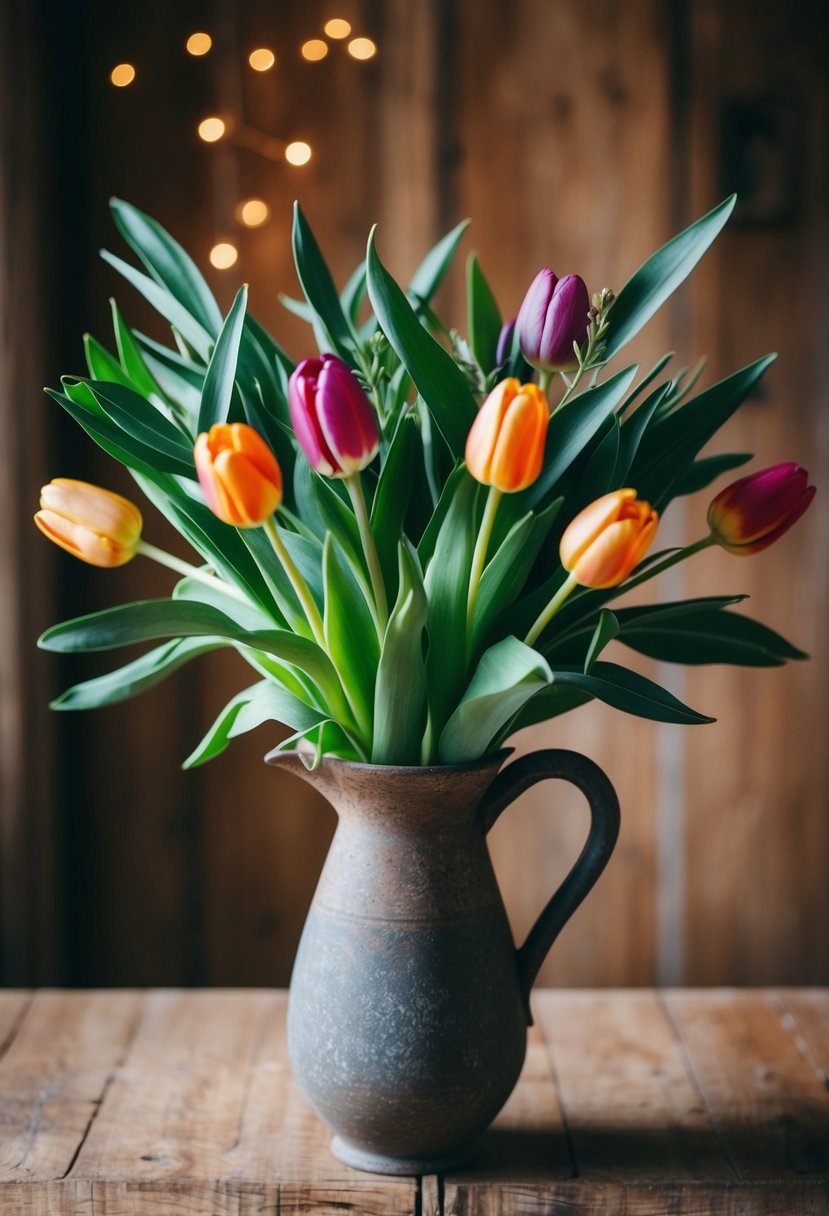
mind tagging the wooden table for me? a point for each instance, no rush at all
(634, 1103)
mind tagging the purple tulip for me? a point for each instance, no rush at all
(504, 348)
(553, 316)
(332, 417)
(751, 513)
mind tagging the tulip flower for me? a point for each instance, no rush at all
(600, 547)
(505, 446)
(751, 513)
(332, 417)
(553, 316)
(239, 474)
(504, 346)
(97, 526)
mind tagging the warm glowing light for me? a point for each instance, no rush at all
(337, 28)
(362, 48)
(211, 129)
(298, 153)
(314, 49)
(198, 44)
(223, 255)
(122, 75)
(262, 59)
(253, 212)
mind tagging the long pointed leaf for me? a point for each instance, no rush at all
(221, 373)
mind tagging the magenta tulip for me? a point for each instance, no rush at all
(332, 417)
(751, 513)
(553, 316)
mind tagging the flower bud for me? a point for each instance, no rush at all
(605, 541)
(97, 526)
(751, 513)
(332, 417)
(552, 317)
(239, 474)
(505, 446)
(504, 348)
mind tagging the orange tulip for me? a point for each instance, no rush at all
(97, 526)
(505, 446)
(239, 474)
(601, 546)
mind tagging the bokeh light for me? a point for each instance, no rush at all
(314, 49)
(223, 255)
(362, 48)
(211, 129)
(298, 153)
(262, 59)
(253, 212)
(122, 75)
(337, 28)
(198, 44)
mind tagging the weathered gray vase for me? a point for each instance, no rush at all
(409, 1002)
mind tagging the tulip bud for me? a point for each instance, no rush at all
(239, 474)
(504, 348)
(505, 446)
(97, 526)
(751, 513)
(332, 417)
(552, 317)
(605, 541)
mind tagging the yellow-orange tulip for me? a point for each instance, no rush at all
(239, 474)
(605, 541)
(97, 526)
(505, 446)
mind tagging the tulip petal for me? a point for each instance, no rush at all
(250, 497)
(83, 542)
(533, 312)
(483, 434)
(100, 510)
(590, 523)
(519, 449)
(345, 417)
(750, 508)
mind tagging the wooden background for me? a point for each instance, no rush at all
(575, 135)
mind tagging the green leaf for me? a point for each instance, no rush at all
(607, 628)
(572, 428)
(179, 379)
(136, 677)
(670, 446)
(101, 364)
(391, 498)
(447, 586)
(696, 633)
(109, 437)
(426, 546)
(628, 691)
(508, 675)
(221, 373)
(658, 277)
(484, 315)
(220, 595)
(350, 632)
(142, 621)
(354, 293)
(318, 286)
(132, 360)
(434, 372)
(702, 472)
(193, 332)
(262, 702)
(400, 699)
(546, 704)
(138, 420)
(430, 273)
(327, 738)
(634, 428)
(167, 263)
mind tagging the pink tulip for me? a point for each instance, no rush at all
(332, 417)
(751, 513)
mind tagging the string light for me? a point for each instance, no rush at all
(362, 48)
(122, 75)
(262, 59)
(223, 255)
(337, 28)
(298, 153)
(314, 49)
(211, 129)
(198, 44)
(253, 212)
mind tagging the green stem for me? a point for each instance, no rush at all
(479, 556)
(298, 583)
(181, 567)
(544, 617)
(545, 379)
(381, 615)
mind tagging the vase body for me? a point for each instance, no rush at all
(408, 1006)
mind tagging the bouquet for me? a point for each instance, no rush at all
(415, 539)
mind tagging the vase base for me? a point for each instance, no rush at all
(378, 1163)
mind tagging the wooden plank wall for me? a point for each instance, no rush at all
(575, 136)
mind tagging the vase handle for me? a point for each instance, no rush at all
(604, 830)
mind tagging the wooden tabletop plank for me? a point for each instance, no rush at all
(764, 1096)
(809, 1009)
(13, 1005)
(206, 1099)
(53, 1076)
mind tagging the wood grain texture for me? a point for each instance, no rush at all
(182, 1103)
